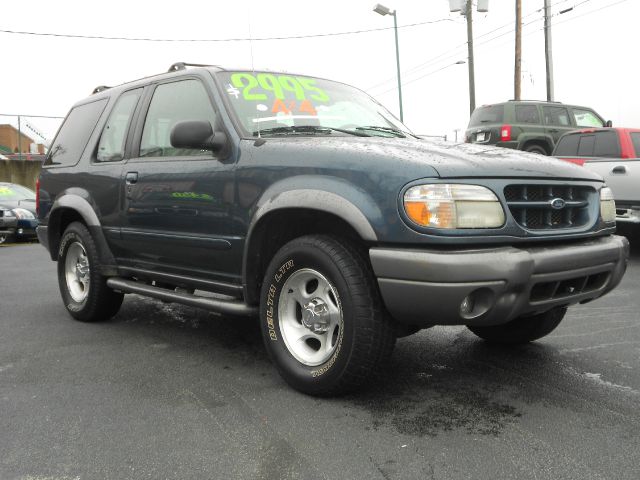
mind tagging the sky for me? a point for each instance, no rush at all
(594, 61)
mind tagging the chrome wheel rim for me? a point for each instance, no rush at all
(76, 272)
(310, 317)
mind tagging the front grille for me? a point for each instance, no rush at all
(568, 288)
(531, 205)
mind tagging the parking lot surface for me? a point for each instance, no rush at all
(166, 391)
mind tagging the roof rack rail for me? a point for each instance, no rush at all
(100, 88)
(183, 65)
(525, 100)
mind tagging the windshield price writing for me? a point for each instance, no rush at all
(255, 87)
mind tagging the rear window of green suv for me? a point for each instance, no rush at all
(487, 114)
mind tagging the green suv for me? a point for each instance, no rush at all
(532, 126)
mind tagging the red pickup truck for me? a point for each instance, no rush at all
(613, 153)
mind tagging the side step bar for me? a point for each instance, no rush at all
(213, 304)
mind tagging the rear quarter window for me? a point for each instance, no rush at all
(567, 146)
(488, 114)
(73, 136)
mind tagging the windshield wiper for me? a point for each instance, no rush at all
(377, 128)
(306, 129)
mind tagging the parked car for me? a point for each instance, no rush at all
(532, 126)
(22, 202)
(305, 201)
(613, 153)
(8, 222)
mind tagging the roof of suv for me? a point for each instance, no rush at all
(176, 67)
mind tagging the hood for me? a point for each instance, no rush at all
(422, 158)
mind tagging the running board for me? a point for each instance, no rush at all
(232, 307)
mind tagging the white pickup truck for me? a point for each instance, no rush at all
(614, 153)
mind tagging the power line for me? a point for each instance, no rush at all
(455, 49)
(433, 60)
(210, 40)
(29, 116)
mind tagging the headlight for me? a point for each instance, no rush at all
(23, 214)
(607, 205)
(453, 206)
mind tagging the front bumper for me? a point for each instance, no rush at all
(426, 288)
(26, 228)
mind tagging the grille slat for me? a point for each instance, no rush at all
(531, 206)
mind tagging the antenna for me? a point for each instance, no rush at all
(253, 69)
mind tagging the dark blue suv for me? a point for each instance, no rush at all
(306, 202)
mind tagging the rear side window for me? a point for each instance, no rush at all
(586, 118)
(488, 114)
(567, 146)
(597, 144)
(635, 139)
(172, 103)
(73, 136)
(527, 114)
(556, 116)
(607, 145)
(114, 135)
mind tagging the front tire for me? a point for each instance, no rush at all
(321, 316)
(522, 329)
(84, 290)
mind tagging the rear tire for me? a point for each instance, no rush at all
(522, 329)
(5, 238)
(535, 149)
(84, 290)
(322, 318)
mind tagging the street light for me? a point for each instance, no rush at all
(382, 10)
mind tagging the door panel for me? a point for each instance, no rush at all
(178, 203)
(557, 121)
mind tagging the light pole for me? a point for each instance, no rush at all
(382, 10)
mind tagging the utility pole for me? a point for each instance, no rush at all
(19, 139)
(472, 81)
(547, 49)
(517, 70)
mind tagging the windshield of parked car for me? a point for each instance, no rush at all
(281, 104)
(487, 114)
(11, 192)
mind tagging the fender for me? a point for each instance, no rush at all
(538, 138)
(70, 200)
(327, 194)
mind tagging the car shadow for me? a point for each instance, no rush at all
(438, 380)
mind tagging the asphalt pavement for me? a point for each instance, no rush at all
(170, 392)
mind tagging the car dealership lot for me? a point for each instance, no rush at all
(166, 391)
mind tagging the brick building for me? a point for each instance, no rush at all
(9, 141)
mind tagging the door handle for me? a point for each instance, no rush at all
(131, 178)
(554, 130)
(619, 170)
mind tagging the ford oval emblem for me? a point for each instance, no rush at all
(557, 203)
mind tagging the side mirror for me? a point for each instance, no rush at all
(197, 134)
(608, 123)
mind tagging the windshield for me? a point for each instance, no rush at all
(279, 104)
(12, 192)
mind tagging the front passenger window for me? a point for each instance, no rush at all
(173, 103)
